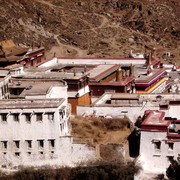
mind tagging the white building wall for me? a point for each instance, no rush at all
(3, 87)
(54, 92)
(132, 112)
(174, 111)
(56, 60)
(102, 61)
(64, 152)
(58, 92)
(156, 160)
(51, 62)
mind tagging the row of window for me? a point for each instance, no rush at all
(28, 143)
(29, 153)
(16, 116)
(157, 145)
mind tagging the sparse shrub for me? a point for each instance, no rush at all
(111, 124)
(98, 170)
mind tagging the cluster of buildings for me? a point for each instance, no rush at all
(38, 97)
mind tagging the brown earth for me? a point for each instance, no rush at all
(94, 28)
(101, 130)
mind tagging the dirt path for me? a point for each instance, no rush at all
(66, 48)
(118, 41)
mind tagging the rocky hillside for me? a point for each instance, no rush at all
(106, 28)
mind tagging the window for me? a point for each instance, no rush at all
(4, 144)
(17, 144)
(16, 117)
(29, 144)
(28, 117)
(157, 145)
(62, 113)
(170, 146)
(4, 117)
(40, 143)
(39, 116)
(51, 143)
(17, 153)
(51, 116)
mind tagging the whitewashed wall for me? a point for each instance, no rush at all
(152, 160)
(132, 112)
(66, 153)
(102, 61)
(54, 92)
(51, 62)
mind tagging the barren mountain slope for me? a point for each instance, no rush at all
(106, 28)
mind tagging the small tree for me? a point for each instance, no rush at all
(173, 171)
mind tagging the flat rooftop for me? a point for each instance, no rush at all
(101, 71)
(34, 86)
(123, 82)
(154, 99)
(154, 121)
(53, 75)
(124, 96)
(30, 104)
(104, 58)
(155, 117)
(4, 72)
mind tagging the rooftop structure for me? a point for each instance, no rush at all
(155, 121)
(154, 82)
(36, 88)
(77, 84)
(100, 72)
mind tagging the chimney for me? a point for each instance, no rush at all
(119, 74)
